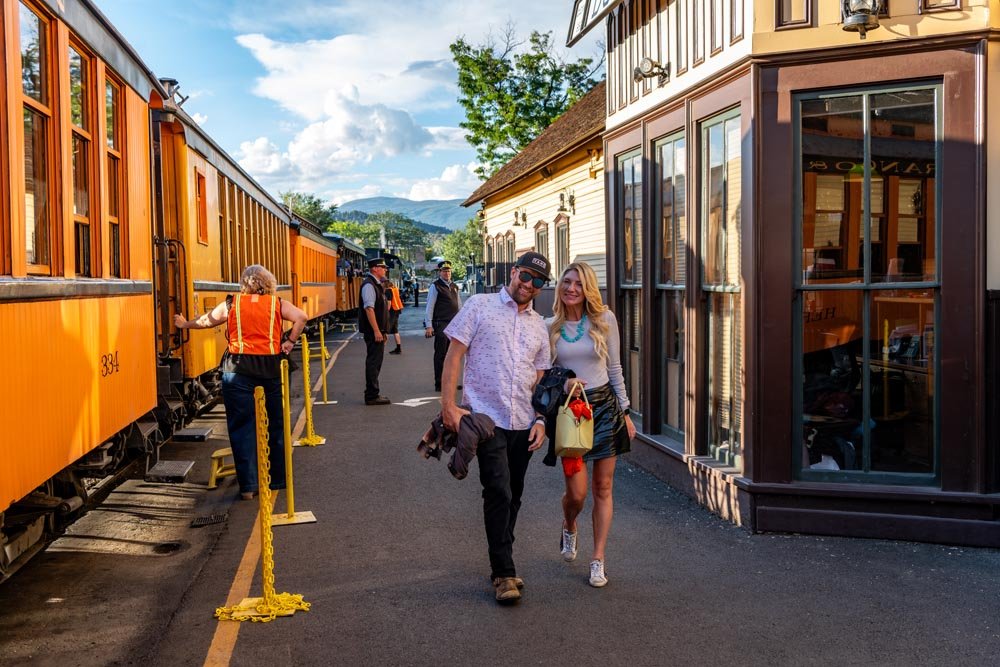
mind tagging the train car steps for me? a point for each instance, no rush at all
(220, 467)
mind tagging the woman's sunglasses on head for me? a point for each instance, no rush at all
(537, 283)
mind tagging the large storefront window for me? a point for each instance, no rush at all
(721, 282)
(671, 161)
(630, 194)
(868, 284)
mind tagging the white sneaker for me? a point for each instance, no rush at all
(568, 546)
(597, 576)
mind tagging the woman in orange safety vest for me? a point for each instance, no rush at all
(395, 308)
(253, 321)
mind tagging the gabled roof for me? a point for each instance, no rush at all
(582, 121)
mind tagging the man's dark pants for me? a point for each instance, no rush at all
(503, 462)
(441, 343)
(373, 365)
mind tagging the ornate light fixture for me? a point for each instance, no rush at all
(648, 68)
(861, 15)
(567, 201)
(520, 218)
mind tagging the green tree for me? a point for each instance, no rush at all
(400, 232)
(460, 244)
(310, 207)
(365, 235)
(510, 95)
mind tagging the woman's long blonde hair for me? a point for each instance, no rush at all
(258, 280)
(593, 307)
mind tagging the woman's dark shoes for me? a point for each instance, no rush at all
(398, 350)
(248, 495)
(381, 400)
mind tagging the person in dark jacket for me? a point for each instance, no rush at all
(443, 303)
(373, 319)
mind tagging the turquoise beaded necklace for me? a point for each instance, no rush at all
(579, 331)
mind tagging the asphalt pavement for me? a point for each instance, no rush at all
(396, 570)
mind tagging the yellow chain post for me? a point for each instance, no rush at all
(272, 605)
(325, 356)
(310, 438)
(290, 517)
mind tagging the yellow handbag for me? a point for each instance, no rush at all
(574, 437)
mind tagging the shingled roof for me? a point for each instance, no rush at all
(580, 122)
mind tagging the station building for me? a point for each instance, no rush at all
(803, 207)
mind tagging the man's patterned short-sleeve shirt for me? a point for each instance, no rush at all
(506, 349)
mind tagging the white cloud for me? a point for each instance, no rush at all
(262, 158)
(338, 197)
(199, 118)
(448, 139)
(456, 181)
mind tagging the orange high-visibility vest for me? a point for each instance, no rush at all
(255, 324)
(395, 303)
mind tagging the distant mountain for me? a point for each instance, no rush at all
(361, 216)
(439, 212)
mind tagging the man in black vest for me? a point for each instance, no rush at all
(443, 303)
(373, 316)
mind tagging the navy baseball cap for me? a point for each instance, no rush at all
(534, 261)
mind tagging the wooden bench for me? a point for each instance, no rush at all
(220, 468)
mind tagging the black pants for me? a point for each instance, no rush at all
(373, 365)
(441, 343)
(503, 461)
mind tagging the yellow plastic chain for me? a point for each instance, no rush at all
(310, 438)
(272, 604)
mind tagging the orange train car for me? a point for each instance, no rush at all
(118, 212)
(76, 279)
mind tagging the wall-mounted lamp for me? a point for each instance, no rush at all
(861, 15)
(481, 213)
(520, 218)
(648, 68)
(567, 202)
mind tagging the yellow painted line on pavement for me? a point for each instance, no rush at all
(220, 652)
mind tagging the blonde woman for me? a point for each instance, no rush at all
(584, 338)
(253, 327)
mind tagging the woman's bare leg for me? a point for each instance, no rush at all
(604, 477)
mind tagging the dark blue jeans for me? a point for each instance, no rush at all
(237, 394)
(503, 461)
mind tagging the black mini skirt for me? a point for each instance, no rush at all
(610, 432)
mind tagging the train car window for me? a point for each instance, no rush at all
(79, 96)
(114, 158)
(37, 126)
(202, 206)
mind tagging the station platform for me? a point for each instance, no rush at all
(396, 570)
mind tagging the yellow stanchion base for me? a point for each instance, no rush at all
(300, 517)
(324, 402)
(310, 442)
(247, 609)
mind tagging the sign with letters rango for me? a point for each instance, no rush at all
(586, 15)
(880, 166)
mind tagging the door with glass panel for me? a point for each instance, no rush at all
(671, 163)
(867, 284)
(630, 250)
(721, 284)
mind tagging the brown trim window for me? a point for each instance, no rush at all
(115, 157)
(629, 223)
(717, 16)
(721, 284)
(735, 20)
(671, 198)
(40, 241)
(562, 244)
(867, 284)
(698, 33)
(929, 6)
(793, 14)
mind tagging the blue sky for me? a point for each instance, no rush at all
(346, 99)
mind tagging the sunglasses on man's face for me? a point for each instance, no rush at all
(537, 283)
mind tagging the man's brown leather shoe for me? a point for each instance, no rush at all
(507, 590)
(518, 581)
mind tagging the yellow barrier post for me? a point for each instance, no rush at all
(310, 438)
(325, 356)
(272, 605)
(290, 517)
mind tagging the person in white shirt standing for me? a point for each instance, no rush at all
(506, 349)
(443, 303)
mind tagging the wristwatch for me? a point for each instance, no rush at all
(626, 412)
